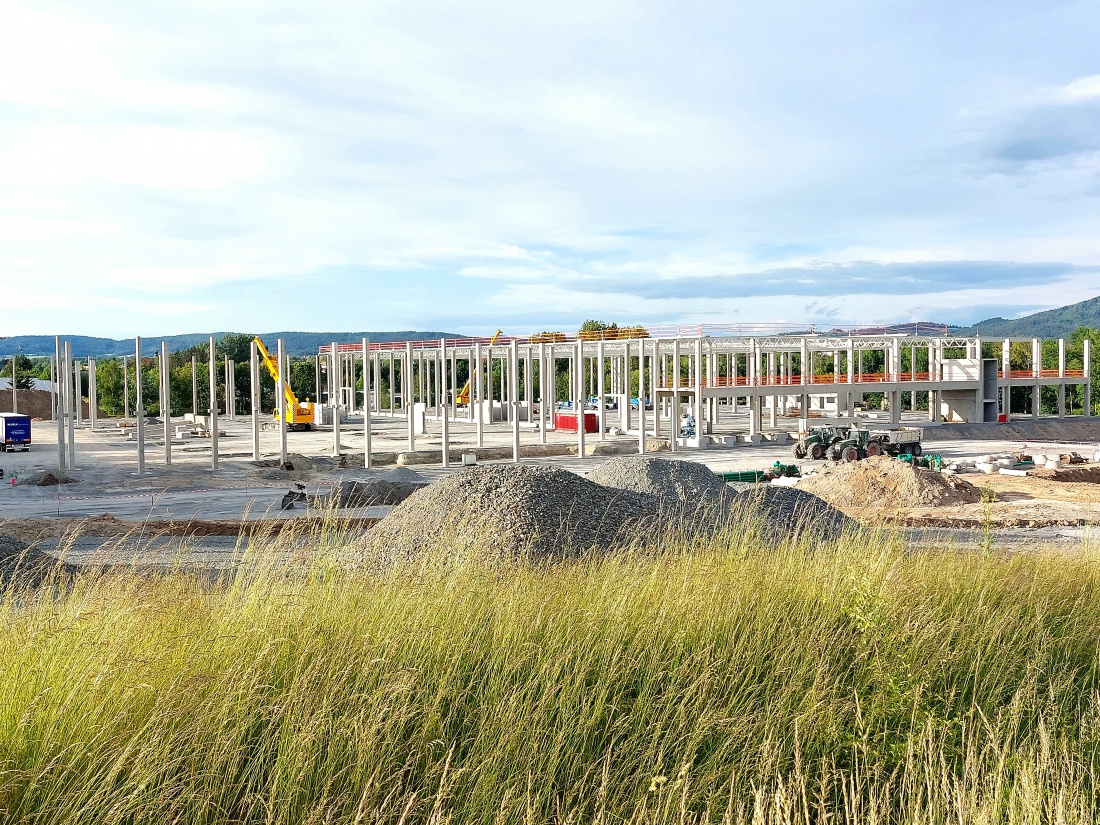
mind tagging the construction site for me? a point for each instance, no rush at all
(918, 430)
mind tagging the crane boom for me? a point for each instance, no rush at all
(463, 396)
(299, 416)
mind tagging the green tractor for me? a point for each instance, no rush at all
(818, 440)
(858, 444)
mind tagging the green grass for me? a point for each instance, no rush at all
(726, 684)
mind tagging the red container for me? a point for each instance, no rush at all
(567, 421)
(1002, 419)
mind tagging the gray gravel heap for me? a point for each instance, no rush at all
(790, 512)
(370, 493)
(20, 565)
(675, 484)
(509, 511)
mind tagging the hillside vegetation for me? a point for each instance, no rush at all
(1053, 323)
(719, 683)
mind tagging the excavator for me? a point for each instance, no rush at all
(299, 416)
(463, 396)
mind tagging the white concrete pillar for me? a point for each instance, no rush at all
(367, 405)
(281, 400)
(1061, 357)
(213, 405)
(1086, 363)
(336, 366)
(407, 393)
(77, 391)
(600, 419)
(579, 395)
(674, 413)
(514, 381)
(194, 384)
(165, 402)
(477, 381)
(641, 392)
(93, 394)
(59, 406)
(139, 407)
(254, 396)
(444, 404)
(1006, 370)
(543, 405)
(697, 379)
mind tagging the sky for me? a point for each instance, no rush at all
(462, 166)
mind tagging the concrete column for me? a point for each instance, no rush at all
(489, 381)
(674, 416)
(406, 393)
(654, 383)
(93, 394)
(53, 386)
(14, 392)
(600, 412)
(376, 389)
(254, 397)
(214, 405)
(641, 392)
(74, 368)
(1006, 369)
(579, 395)
(514, 363)
(280, 398)
(139, 407)
(59, 406)
(477, 381)
(367, 405)
(444, 404)
(1061, 357)
(194, 385)
(542, 392)
(228, 389)
(165, 402)
(317, 378)
(393, 384)
(336, 367)
(1086, 357)
(697, 379)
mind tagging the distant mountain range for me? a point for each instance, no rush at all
(1052, 323)
(296, 343)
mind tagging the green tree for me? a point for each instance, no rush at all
(24, 371)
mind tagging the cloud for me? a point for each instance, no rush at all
(841, 279)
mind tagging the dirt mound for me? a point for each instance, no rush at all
(670, 482)
(509, 511)
(24, 565)
(48, 478)
(1082, 475)
(886, 483)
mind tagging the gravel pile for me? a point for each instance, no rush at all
(20, 565)
(672, 483)
(370, 493)
(508, 511)
(883, 482)
(790, 513)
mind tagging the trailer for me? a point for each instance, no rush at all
(15, 432)
(900, 441)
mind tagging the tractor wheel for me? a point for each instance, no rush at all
(817, 451)
(873, 449)
(915, 449)
(849, 454)
(799, 451)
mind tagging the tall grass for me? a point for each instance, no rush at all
(799, 684)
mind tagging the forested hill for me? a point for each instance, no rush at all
(1053, 323)
(297, 343)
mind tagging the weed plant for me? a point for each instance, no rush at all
(720, 680)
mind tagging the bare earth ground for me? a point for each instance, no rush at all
(190, 499)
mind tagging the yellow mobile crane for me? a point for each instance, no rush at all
(299, 416)
(463, 396)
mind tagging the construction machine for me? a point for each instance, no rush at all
(463, 396)
(299, 416)
(818, 440)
